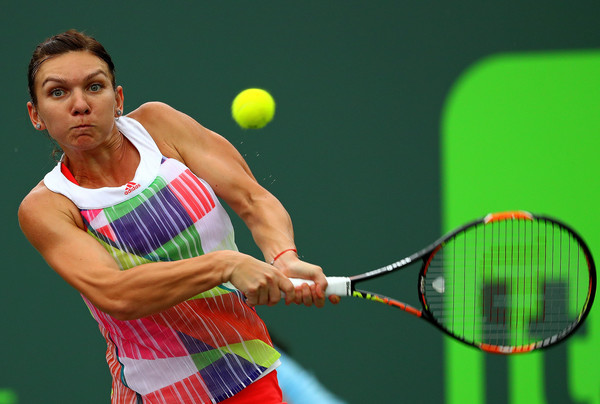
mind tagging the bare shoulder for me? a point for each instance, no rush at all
(37, 199)
(42, 209)
(154, 113)
(171, 129)
(206, 153)
(161, 117)
(176, 133)
(54, 227)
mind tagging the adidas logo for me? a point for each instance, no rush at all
(130, 187)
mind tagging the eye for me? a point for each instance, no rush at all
(96, 87)
(57, 92)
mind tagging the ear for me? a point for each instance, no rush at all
(35, 117)
(119, 99)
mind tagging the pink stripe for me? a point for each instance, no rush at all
(137, 339)
(144, 339)
(207, 194)
(193, 195)
(190, 202)
(90, 215)
(108, 232)
(121, 394)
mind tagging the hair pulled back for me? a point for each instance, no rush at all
(69, 41)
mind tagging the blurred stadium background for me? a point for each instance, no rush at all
(395, 122)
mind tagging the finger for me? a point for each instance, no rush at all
(307, 295)
(263, 295)
(320, 289)
(335, 299)
(251, 298)
(318, 301)
(287, 287)
(321, 282)
(275, 289)
(298, 294)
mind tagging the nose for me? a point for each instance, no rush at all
(80, 105)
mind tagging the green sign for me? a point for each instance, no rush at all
(522, 132)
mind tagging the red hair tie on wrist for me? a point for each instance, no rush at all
(283, 252)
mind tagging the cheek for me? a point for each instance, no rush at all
(50, 112)
(105, 117)
(108, 106)
(51, 119)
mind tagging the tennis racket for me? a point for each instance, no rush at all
(508, 283)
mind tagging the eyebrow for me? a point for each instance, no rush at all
(62, 81)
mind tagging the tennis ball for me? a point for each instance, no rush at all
(253, 108)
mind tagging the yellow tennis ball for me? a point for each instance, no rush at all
(253, 108)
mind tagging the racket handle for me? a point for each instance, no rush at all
(336, 285)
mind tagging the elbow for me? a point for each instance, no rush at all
(252, 207)
(111, 296)
(118, 308)
(122, 311)
(114, 302)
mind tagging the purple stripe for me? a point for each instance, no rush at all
(152, 224)
(226, 383)
(193, 345)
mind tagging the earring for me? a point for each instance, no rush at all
(38, 126)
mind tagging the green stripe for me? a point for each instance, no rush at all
(124, 259)
(117, 211)
(214, 292)
(254, 351)
(185, 245)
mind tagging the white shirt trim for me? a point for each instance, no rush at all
(98, 198)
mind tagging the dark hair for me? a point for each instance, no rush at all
(69, 41)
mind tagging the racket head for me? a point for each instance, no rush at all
(509, 283)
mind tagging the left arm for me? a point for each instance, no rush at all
(213, 158)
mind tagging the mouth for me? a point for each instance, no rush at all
(82, 126)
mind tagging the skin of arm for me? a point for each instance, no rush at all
(53, 225)
(213, 158)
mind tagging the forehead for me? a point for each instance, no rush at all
(71, 65)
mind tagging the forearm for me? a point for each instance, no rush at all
(272, 229)
(150, 288)
(270, 225)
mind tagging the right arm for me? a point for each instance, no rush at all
(54, 227)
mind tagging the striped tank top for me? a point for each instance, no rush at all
(203, 350)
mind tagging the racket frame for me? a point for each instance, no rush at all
(426, 255)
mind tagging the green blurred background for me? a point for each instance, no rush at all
(367, 151)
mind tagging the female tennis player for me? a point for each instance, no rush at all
(130, 217)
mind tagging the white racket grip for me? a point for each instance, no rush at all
(336, 285)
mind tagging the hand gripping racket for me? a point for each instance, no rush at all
(508, 283)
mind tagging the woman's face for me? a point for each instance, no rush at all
(76, 101)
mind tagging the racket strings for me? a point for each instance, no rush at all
(508, 283)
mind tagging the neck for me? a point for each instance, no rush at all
(110, 165)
